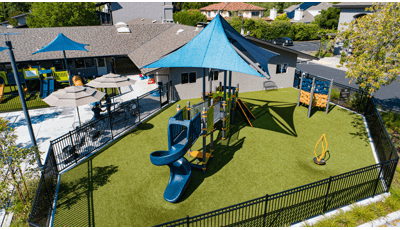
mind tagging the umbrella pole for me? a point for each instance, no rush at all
(79, 117)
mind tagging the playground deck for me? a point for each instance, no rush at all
(121, 187)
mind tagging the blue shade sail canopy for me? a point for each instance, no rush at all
(2, 48)
(62, 43)
(209, 49)
(259, 54)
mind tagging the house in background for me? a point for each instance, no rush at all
(226, 9)
(126, 11)
(21, 18)
(349, 11)
(304, 12)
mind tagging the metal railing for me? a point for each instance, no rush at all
(67, 150)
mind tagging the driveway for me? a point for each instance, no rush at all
(387, 96)
(308, 46)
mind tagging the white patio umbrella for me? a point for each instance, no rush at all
(111, 80)
(74, 96)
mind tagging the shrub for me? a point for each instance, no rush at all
(189, 18)
(300, 31)
(335, 94)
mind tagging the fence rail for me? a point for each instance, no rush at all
(67, 150)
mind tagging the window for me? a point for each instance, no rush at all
(209, 13)
(58, 65)
(188, 77)
(89, 63)
(100, 62)
(80, 63)
(214, 75)
(255, 13)
(230, 13)
(281, 68)
(185, 78)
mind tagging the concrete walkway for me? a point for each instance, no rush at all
(51, 123)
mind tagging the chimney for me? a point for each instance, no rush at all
(272, 13)
(298, 14)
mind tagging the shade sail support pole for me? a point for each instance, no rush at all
(204, 84)
(251, 62)
(225, 72)
(66, 67)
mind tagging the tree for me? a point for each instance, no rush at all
(62, 14)
(374, 41)
(8, 8)
(189, 17)
(282, 17)
(12, 157)
(328, 19)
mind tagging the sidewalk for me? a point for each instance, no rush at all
(327, 61)
(51, 123)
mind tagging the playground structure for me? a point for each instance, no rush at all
(320, 160)
(315, 93)
(2, 84)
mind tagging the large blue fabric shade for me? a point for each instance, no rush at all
(211, 48)
(2, 48)
(62, 43)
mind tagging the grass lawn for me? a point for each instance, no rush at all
(12, 103)
(121, 187)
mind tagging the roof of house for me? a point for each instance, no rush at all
(102, 40)
(307, 17)
(321, 6)
(143, 21)
(279, 47)
(161, 45)
(303, 6)
(291, 8)
(232, 6)
(353, 4)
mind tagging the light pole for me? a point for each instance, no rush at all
(21, 94)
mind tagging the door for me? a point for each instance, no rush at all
(101, 66)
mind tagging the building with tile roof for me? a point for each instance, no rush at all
(226, 9)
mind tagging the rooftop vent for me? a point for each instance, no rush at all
(122, 27)
(198, 27)
(142, 19)
(179, 31)
(154, 21)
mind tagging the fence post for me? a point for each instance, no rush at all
(187, 221)
(327, 194)
(377, 180)
(159, 91)
(109, 118)
(265, 210)
(73, 146)
(138, 107)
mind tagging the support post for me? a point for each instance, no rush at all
(224, 120)
(329, 97)
(301, 83)
(204, 84)
(265, 210)
(225, 73)
(210, 76)
(230, 82)
(204, 113)
(188, 117)
(138, 108)
(212, 133)
(377, 180)
(73, 146)
(22, 97)
(327, 194)
(311, 98)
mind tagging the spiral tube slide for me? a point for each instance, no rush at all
(180, 169)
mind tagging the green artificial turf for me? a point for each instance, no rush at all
(121, 187)
(13, 102)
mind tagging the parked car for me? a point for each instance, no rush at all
(283, 41)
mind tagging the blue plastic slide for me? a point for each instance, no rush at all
(46, 87)
(179, 142)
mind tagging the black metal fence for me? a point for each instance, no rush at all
(12, 102)
(295, 205)
(68, 149)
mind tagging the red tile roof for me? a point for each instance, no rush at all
(232, 6)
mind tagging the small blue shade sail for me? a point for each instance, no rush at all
(62, 43)
(2, 48)
(209, 49)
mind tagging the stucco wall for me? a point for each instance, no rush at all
(246, 82)
(125, 11)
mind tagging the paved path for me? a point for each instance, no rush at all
(53, 122)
